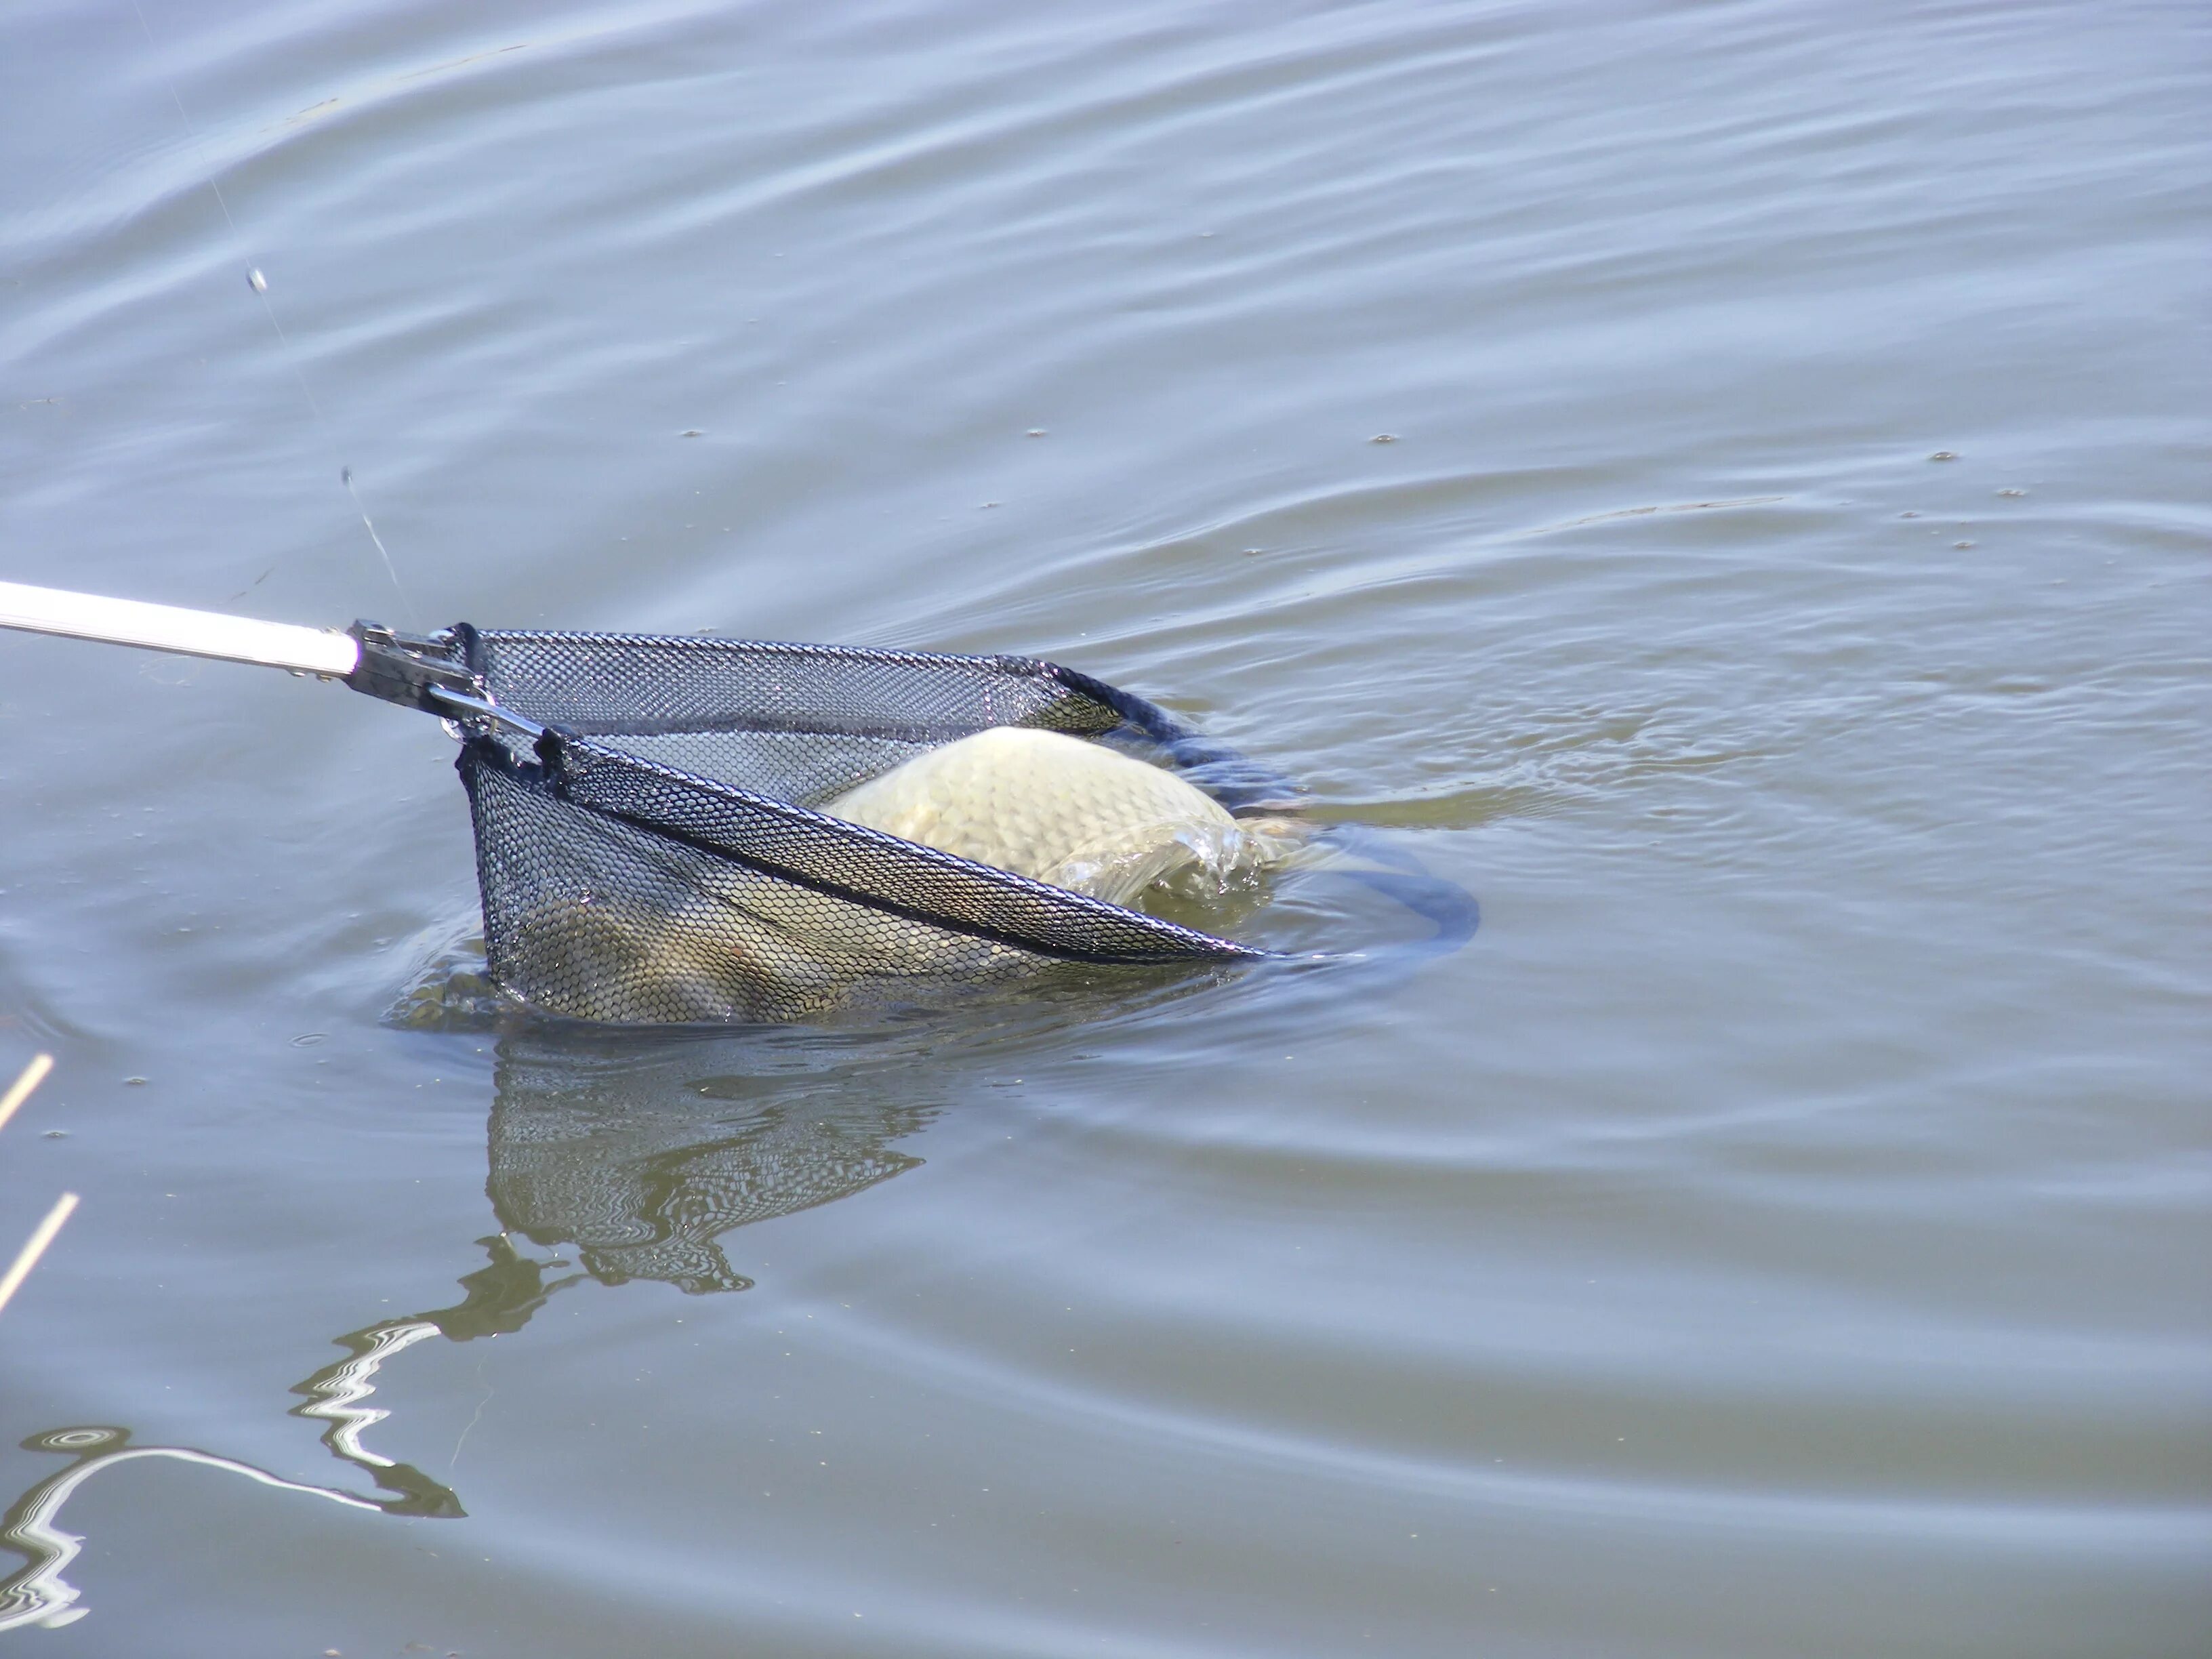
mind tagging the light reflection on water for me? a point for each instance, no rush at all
(639, 1155)
(39, 1593)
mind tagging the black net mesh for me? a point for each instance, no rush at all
(655, 859)
(800, 723)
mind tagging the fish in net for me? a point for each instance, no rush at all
(680, 829)
(712, 830)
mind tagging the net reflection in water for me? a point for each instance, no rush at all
(643, 1161)
(641, 1155)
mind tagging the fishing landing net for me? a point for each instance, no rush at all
(655, 854)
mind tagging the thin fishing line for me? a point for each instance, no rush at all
(259, 284)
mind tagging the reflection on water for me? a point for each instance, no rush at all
(641, 1152)
(640, 1155)
(501, 1298)
(642, 1162)
(39, 1593)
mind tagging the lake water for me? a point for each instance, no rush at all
(1783, 601)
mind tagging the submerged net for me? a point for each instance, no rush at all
(657, 856)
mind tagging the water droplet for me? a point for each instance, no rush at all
(1945, 455)
(255, 281)
(1383, 438)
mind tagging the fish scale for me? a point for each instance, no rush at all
(1047, 806)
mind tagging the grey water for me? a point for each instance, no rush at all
(1725, 483)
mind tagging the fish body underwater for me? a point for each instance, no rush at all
(1057, 809)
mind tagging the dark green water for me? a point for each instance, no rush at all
(1781, 1230)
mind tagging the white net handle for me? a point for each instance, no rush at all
(172, 628)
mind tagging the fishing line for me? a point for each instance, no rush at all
(259, 284)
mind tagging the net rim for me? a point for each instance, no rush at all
(1030, 667)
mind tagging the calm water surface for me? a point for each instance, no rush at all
(1784, 600)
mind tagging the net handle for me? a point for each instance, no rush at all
(172, 628)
